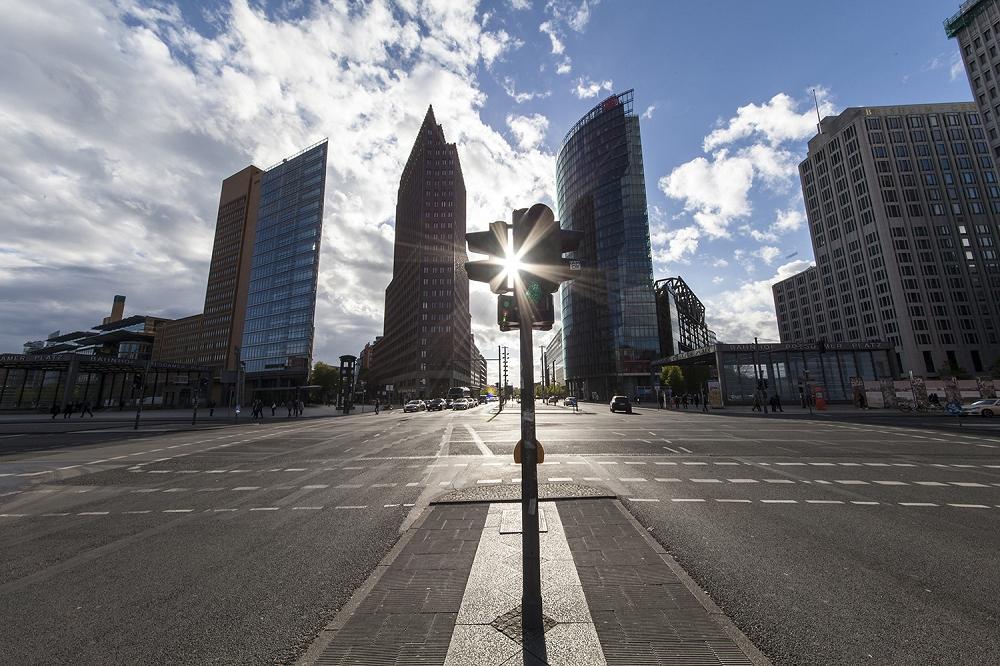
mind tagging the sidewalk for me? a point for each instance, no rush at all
(449, 593)
(222, 415)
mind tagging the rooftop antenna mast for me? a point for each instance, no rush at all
(819, 121)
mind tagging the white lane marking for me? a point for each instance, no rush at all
(891, 483)
(917, 504)
(632, 479)
(92, 513)
(56, 514)
(349, 506)
(666, 463)
(224, 510)
(247, 488)
(315, 486)
(742, 480)
(735, 501)
(705, 480)
(488, 481)
(560, 479)
(694, 463)
(296, 469)
(480, 444)
(685, 499)
(970, 506)
(824, 502)
(851, 482)
(930, 483)
(178, 510)
(642, 499)
(726, 463)
(348, 485)
(559, 580)
(383, 485)
(412, 484)
(662, 480)
(864, 503)
(264, 508)
(685, 450)
(969, 484)
(635, 463)
(778, 501)
(778, 481)
(306, 508)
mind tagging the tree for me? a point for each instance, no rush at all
(327, 377)
(672, 376)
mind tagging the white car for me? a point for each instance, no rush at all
(460, 403)
(415, 406)
(987, 407)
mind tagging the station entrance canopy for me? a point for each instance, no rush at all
(37, 381)
(788, 367)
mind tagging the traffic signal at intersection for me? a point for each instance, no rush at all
(535, 256)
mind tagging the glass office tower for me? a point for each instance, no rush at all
(609, 315)
(281, 300)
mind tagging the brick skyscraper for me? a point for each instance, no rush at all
(427, 347)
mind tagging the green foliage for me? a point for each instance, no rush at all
(958, 372)
(327, 377)
(672, 376)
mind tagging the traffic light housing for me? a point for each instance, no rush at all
(508, 315)
(492, 243)
(137, 381)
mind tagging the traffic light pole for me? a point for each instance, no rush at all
(531, 590)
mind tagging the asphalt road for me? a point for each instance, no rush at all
(834, 539)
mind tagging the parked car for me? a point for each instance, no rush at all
(570, 401)
(460, 403)
(449, 403)
(987, 407)
(435, 405)
(415, 406)
(621, 403)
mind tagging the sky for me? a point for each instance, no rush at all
(119, 120)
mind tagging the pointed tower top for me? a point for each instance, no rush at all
(429, 117)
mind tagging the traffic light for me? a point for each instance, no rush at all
(508, 315)
(492, 243)
(539, 244)
(137, 381)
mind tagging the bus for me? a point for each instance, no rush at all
(456, 392)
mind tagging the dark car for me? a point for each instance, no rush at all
(435, 405)
(621, 403)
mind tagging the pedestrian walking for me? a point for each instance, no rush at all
(274, 406)
(377, 404)
(68, 410)
(697, 399)
(756, 402)
(85, 409)
(302, 408)
(55, 411)
(704, 402)
(211, 408)
(677, 402)
(288, 406)
(776, 402)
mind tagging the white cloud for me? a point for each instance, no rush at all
(648, 113)
(715, 190)
(789, 220)
(673, 245)
(768, 253)
(575, 15)
(720, 263)
(510, 87)
(740, 314)
(87, 85)
(758, 235)
(557, 46)
(520, 4)
(776, 121)
(718, 279)
(565, 66)
(528, 131)
(957, 68)
(585, 87)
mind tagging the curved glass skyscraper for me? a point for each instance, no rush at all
(609, 315)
